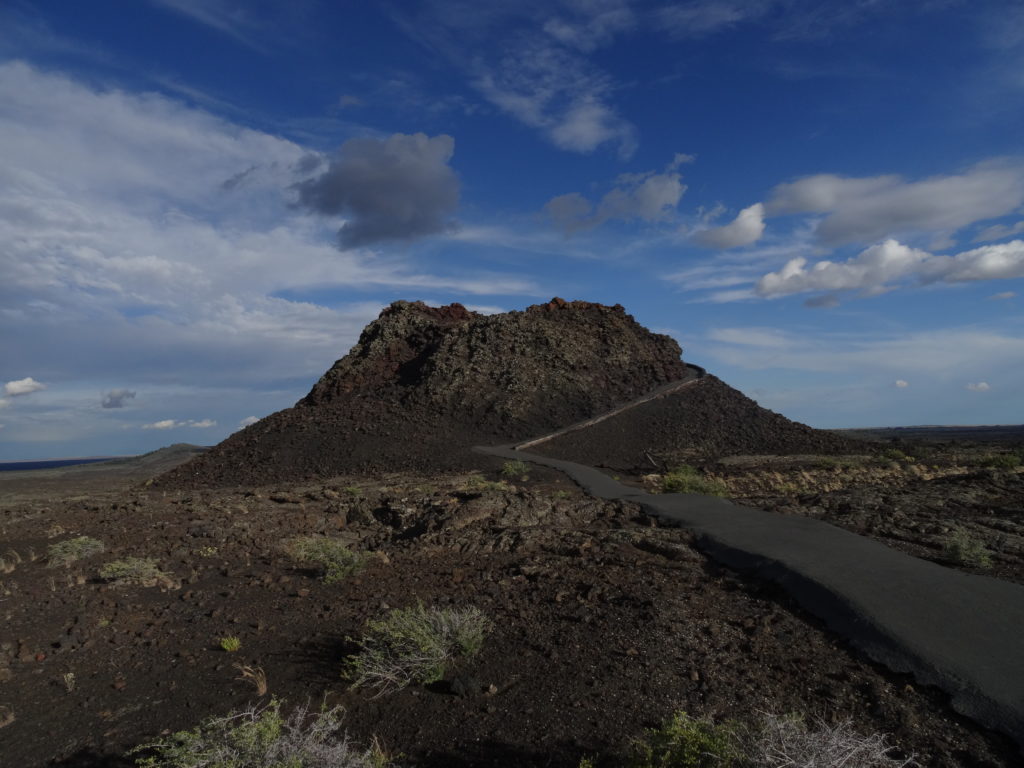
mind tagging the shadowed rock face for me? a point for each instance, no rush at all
(424, 383)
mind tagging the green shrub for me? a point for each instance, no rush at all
(331, 556)
(263, 738)
(962, 549)
(137, 571)
(480, 484)
(230, 644)
(513, 470)
(415, 645)
(686, 479)
(684, 742)
(67, 552)
(1001, 461)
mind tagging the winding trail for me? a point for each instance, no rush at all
(961, 632)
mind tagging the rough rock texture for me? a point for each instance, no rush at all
(706, 421)
(424, 384)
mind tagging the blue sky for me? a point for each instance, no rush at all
(202, 202)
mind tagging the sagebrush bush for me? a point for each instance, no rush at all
(137, 571)
(331, 556)
(961, 548)
(1002, 461)
(71, 550)
(515, 470)
(776, 741)
(263, 738)
(686, 479)
(781, 741)
(415, 645)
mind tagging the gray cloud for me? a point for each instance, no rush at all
(399, 188)
(115, 398)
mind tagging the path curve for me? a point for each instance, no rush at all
(961, 632)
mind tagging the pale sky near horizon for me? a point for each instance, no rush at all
(202, 202)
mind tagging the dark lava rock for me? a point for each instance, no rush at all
(424, 384)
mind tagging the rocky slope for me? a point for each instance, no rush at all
(424, 384)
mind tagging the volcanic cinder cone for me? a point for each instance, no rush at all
(425, 384)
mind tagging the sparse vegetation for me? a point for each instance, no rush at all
(255, 675)
(686, 742)
(480, 484)
(515, 470)
(230, 644)
(777, 741)
(263, 738)
(895, 454)
(686, 479)
(67, 552)
(137, 571)
(1001, 461)
(331, 556)
(415, 645)
(963, 549)
(782, 741)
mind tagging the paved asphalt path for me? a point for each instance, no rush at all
(960, 632)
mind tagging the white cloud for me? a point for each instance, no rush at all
(248, 421)
(24, 386)
(873, 208)
(877, 268)
(746, 228)
(901, 384)
(125, 257)
(1002, 295)
(531, 62)
(646, 196)
(175, 424)
(164, 424)
(980, 386)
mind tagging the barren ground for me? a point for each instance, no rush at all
(603, 622)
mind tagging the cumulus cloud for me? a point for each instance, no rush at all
(872, 208)
(399, 188)
(24, 386)
(115, 398)
(877, 268)
(646, 196)
(901, 384)
(247, 421)
(980, 386)
(745, 229)
(175, 424)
